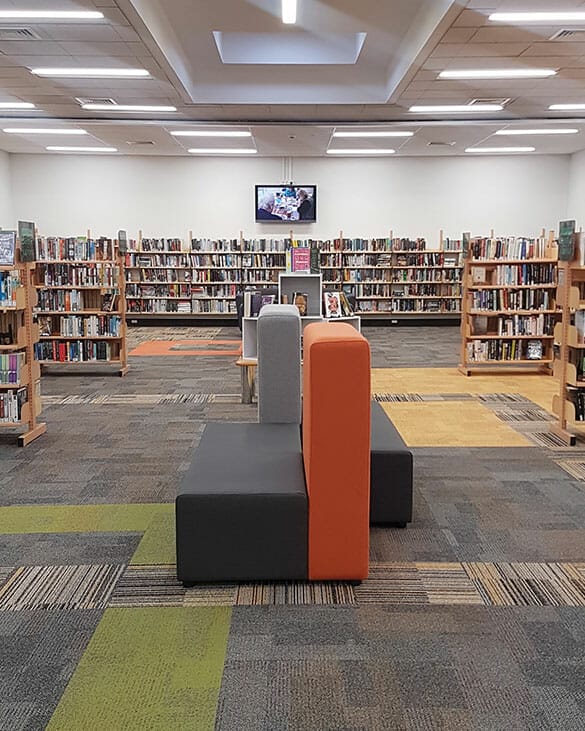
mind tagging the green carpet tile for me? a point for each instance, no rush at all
(148, 668)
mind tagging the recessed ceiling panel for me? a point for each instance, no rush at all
(301, 47)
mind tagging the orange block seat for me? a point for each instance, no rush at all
(336, 450)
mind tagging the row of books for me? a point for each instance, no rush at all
(218, 307)
(78, 326)
(9, 283)
(10, 365)
(509, 248)
(512, 274)
(480, 351)
(504, 299)
(215, 245)
(161, 245)
(577, 397)
(516, 325)
(422, 306)
(11, 403)
(425, 275)
(79, 351)
(374, 289)
(86, 275)
(77, 248)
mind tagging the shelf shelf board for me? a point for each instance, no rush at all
(79, 362)
(76, 312)
(80, 337)
(501, 262)
(510, 337)
(473, 364)
(473, 287)
(75, 262)
(76, 287)
(496, 313)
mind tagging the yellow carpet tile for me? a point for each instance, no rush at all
(451, 424)
(538, 388)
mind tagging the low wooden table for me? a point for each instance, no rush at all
(248, 366)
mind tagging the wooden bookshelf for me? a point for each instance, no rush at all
(569, 404)
(509, 307)
(81, 307)
(20, 396)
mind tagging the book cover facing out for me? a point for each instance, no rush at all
(300, 259)
(566, 240)
(332, 304)
(7, 248)
(301, 300)
(26, 236)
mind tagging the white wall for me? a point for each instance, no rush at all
(167, 196)
(6, 213)
(576, 204)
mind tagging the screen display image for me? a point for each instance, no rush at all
(286, 203)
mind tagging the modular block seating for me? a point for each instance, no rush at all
(391, 473)
(247, 511)
(279, 365)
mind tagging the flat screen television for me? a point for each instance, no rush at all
(286, 203)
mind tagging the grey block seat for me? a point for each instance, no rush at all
(390, 472)
(241, 511)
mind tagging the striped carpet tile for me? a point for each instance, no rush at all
(143, 399)
(5, 572)
(295, 593)
(503, 398)
(528, 584)
(523, 414)
(391, 397)
(575, 468)
(59, 587)
(417, 583)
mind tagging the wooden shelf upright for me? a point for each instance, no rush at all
(19, 315)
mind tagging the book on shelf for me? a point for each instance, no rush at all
(109, 302)
(580, 325)
(301, 300)
(267, 299)
(345, 305)
(10, 365)
(534, 350)
(7, 248)
(332, 302)
(9, 283)
(11, 403)
(298, 259)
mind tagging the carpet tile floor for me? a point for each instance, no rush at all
(472, 618)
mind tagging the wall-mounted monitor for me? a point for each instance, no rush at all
(286, 203)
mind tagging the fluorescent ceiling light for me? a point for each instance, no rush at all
(496, 73)
(128, 108)
(221, 151)
(210, 133)
(90, 73)
(50, 15)
(39, 131)
(16, 105)
(289, 11)
(396, 133)
(500, 149)
(546, 17)
(361, 152)
(558, 131)
(466, 108)
(566, 107)
(63, 148)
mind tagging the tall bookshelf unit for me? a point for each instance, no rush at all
(509, 304)
(20, 399)
(396, 276)
(171, 278)
(81, 304)
(569, 403)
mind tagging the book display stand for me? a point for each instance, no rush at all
(20, 398)
(81, 304)
(509, 304)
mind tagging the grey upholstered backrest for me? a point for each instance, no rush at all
(279, 365)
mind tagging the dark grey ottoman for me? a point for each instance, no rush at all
(391, 472)
(241, 512)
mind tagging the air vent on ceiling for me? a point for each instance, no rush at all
(140, 143)
(9, 33)
(440, 144)
(568, 33)
(492, 100)
(95, 101)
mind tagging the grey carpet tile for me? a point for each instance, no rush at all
(58, 549)
(40, 651)
(403, 667)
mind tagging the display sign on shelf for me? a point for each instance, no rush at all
(26, 236)
(566, 240)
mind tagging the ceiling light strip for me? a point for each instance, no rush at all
(16, 105)
(128, 108)
(456, 108)
(567, 107)
(496, 73)
(50, 15)
(289, 11)
(40, 131)
(396, 133)
(210, 133)
(91, 72)
(373, 151)
(495, 150)
(66, 148)
(221, 151)
(558, 131)
(538, 17)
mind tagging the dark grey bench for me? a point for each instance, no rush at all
(391, 473)
(241, 512)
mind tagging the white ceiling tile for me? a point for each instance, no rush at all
(470, 19)
(82, 32)
(458, 35)
(30, 48)
(556, 49)
(490, 50)
(116, 49)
